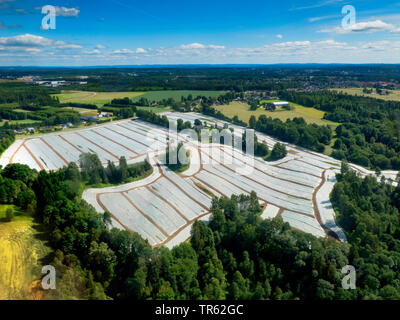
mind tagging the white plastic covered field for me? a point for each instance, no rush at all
(163, 206)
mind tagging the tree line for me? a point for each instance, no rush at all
(369, 134)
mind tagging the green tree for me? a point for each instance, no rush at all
(9, 214)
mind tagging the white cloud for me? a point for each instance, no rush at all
(100, 46)
(196, 45)
(193, 46)
(31, 50)
(95, 51)
(212, 46)
(123, 51)
(64, 11)
(279, 36)
(367, 26)
(67, 12)
(314, 19)
(292, 44)
(31, 40)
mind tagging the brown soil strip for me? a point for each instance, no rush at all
(67, 141)
(304, 214)
(298, 171)
(138, 187)
(328, 231)
(189, 196)
(34, 158)
(314, 165)
(137, 131)
(169, 203)
(113, 141)
(255, 181)
(211, 187)
(101, 204)
(55, 151)
(16, 151)
(130, 138)
(204, 189)
(95, 144)
(230, 182)
(298, 183)
(179, 230)
(143, 214)
(283, 162)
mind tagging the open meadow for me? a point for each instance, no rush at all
(242, 110)
(22, 254)
(393, 96)
(101, 98)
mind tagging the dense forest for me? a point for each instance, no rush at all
(225, 77)
(369, 134)
(237, 255)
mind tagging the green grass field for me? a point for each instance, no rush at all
(9, 105)
(242, 110)
(27, 121)
(176, 94)
(101, 98)
(83, 111)
(22, 255)
(393, 96)
(155, 109)
(97, 98)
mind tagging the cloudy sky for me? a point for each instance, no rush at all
(132, 32)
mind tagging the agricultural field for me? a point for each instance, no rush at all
(83, 111)
(393, 96)
(242, 110)
(176, 94)
(97, 98)
(101, 98)
(22, 255)
(155, 109)
(27, 121)
(163, 206)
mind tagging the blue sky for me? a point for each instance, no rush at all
(117, 32)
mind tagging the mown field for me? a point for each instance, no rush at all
(393, 96)
(242, 110)
(27, 121)
(101, 98)
(22, 255)
(98, 98)
(176, 94)
(83, 111)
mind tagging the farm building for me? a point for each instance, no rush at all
(273, 105)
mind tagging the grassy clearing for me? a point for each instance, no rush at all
(393, 96)
(242, 110)
(22, 254)
(97, 98)
(155, 109)
(27, 121)
(9, 105)
(101, 98)
(176, 94)
(83, 111)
